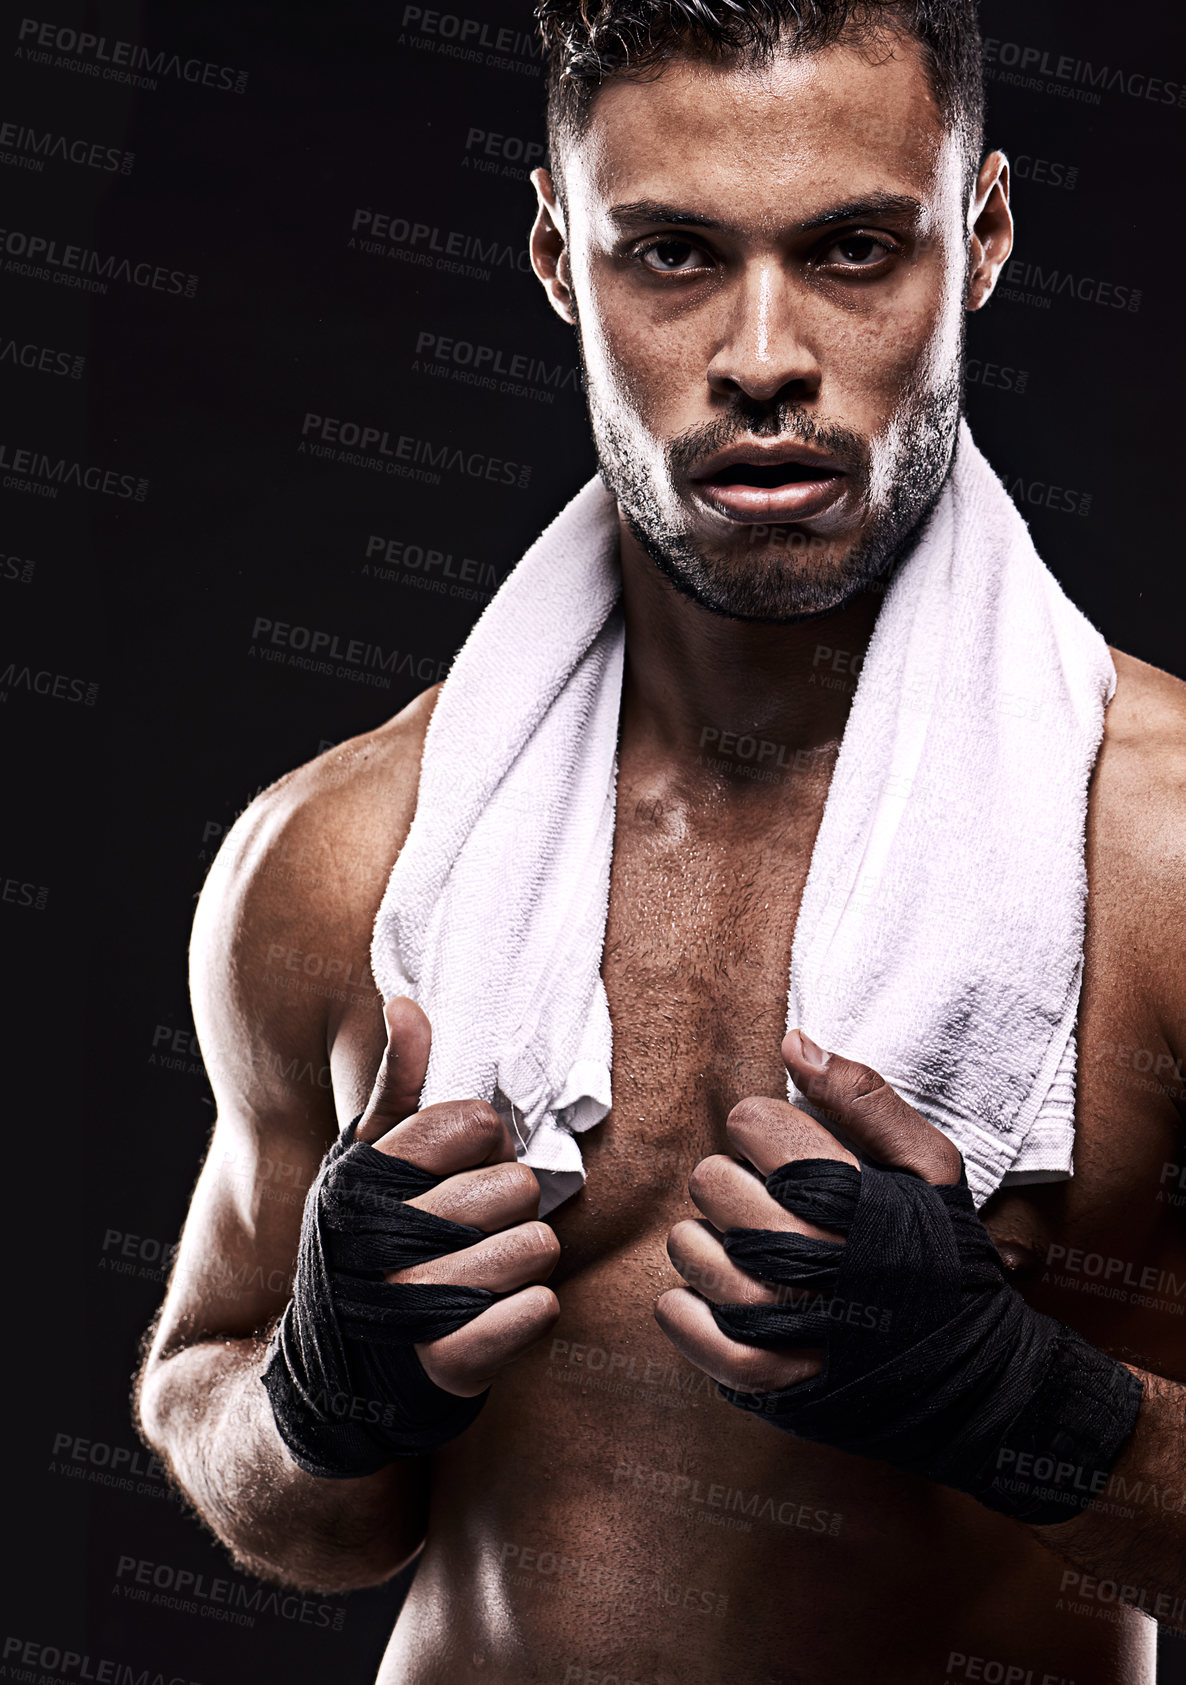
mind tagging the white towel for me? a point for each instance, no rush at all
(940, 935)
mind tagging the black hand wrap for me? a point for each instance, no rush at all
(348, 1392)
(932, 1361)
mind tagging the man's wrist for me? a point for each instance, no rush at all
(322, 1434)
(1059, 1451)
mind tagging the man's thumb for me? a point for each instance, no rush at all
(396, 1094)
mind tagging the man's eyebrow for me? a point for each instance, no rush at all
(642, 211)
(860, 210)
(639, 211)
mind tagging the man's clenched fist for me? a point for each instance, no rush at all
(465, 1143)
(417, 1276)
(855, 1298)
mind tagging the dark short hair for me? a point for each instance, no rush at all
(586, 42)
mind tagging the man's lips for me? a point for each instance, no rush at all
(783, 483)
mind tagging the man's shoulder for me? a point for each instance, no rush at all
(314, 850)
(347, 801)
(1138, 828)
(1143, 759)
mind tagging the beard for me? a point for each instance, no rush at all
(778, 574)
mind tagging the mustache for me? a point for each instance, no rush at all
(788, 423)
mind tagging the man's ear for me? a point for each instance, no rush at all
(549, 251)
(990, 225)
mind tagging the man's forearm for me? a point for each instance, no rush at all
(205, 1413)
(1130, 1542)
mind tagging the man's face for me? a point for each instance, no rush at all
(768, 267)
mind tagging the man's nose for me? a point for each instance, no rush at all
(762, 351)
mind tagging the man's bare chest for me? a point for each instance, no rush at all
(696, 968)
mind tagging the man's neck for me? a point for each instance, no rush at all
(705, 695)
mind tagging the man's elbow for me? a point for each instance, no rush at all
(288, 1537)
(219, 1450)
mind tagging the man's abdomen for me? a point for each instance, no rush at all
(609, 1518)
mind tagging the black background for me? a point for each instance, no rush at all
(116, 801)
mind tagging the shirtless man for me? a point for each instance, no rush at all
(793, 237)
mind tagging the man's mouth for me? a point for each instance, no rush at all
(782, 483)
(769, 475)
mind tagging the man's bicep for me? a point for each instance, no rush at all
(263, 1037)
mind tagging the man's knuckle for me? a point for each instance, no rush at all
(705, 1177)
(749, 1371)
(541, 1306)
(915, 1145)
(532, 1243)
(477, 1120)
(527, 1314)
(516, 1181)
(755, 1111)
(861, 1084)
(948, 1162)
(445, 1372)
(545, 1241)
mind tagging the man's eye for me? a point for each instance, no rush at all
(857, 251)
(673, 257)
